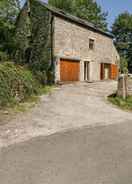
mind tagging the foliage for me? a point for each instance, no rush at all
(33, 34)
(122, 29)
(47, 89)
(124, 104)
(3, 56)
(16, 83)
(9, 10)
(129, 56)
(85, 9)
(124, 65)
(41, 38)
(64, 5)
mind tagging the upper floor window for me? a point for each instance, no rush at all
(91, 44)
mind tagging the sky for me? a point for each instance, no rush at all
(113, 7)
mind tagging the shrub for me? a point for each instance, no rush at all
(16, 84)
(3, 56)
(44, 77)
(119, 101)
(40, 76)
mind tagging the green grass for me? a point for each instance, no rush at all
(26, 105)
(46, 89)
(120, 102)
(33, 100)
(29, 102)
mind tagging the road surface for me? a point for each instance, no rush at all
(98, 155)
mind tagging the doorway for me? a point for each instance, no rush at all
(105, 71)
(86, 70)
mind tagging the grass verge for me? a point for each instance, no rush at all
(31, 101)
(120, 102)
(26, 105)
(46, 89)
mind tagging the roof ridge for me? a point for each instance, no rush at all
(76, 19)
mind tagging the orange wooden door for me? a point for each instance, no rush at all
(114, 71)
(69, 70)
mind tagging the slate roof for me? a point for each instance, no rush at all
(81, 22)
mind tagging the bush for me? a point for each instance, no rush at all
(3, 56)
(44, 77)
(119, 101)
(41, 76)
(16, 84)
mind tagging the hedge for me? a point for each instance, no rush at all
(16, 84)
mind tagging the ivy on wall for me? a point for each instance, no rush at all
(33, 34)
(23, 30)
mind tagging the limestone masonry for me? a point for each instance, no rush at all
(74, 49)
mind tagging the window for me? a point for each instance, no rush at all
(91, 44)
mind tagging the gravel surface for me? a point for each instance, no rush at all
(69, 106)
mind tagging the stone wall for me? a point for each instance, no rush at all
(129, 88)
(124, 86)
(72, 40)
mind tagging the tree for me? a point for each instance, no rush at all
(123, 65)
(122, 29)
(85, 9)
(9, 10)
(66, 5)
(129, 56)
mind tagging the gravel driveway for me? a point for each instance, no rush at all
(69, 106)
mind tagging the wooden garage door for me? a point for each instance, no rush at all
(69, 70)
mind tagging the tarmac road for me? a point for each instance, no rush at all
(99, 155)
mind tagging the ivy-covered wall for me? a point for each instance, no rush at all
(23, 34)
(41, 36)
(33, 35)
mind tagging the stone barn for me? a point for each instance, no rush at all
(76, 49)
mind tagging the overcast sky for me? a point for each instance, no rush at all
(113, 7)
